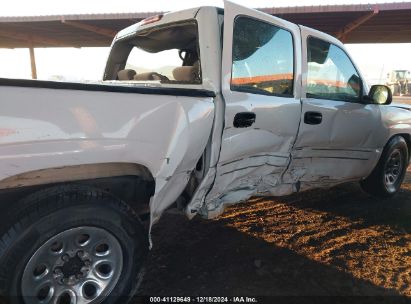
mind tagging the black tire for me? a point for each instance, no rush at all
(44, 215)
(376, 184)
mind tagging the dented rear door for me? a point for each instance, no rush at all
(261, 89)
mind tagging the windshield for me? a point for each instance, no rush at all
(402, 74)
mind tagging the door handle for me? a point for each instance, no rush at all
(313, 118)
(244, 119)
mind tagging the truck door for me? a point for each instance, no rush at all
(340, 136)
(261, 89)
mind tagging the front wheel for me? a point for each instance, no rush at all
(74, 245)
(388, 175)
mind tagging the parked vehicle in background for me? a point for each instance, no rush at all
(399, 81)
(190, 111)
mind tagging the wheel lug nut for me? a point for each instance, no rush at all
(58, 271)
(65, 257)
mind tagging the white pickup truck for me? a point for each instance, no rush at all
(202, 108)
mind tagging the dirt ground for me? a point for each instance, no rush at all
(324, 242)
(402, 99)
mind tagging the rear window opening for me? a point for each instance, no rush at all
(166, 54)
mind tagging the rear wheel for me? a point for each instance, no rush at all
(388, 175)
(72, 245)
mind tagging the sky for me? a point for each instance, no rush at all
(50, 7)
(88, 63)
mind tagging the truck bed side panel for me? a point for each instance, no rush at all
(44, 128)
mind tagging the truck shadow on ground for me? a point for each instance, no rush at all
(319, 243)
(209, 258)
(349, 201)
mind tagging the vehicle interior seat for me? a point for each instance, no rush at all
(150, 76)
(127, 74)
(187, 73)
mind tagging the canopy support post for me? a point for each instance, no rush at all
(32, 61)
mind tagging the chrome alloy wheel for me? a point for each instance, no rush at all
(393, 169)
(77, 266)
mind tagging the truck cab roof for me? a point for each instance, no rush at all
(158, 20)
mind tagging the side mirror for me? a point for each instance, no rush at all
(380, 94)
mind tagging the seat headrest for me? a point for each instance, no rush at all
(187, 73)
(147, 76)
(127, 74)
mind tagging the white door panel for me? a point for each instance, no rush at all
(344, 145)
(254, 157)
(344, 125)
